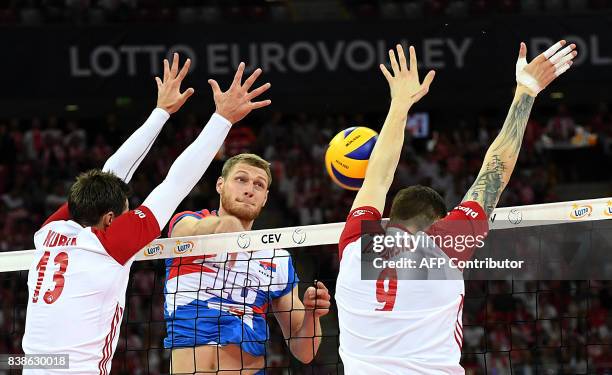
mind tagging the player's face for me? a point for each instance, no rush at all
(244, 192)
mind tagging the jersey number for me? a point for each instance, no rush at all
(51, 295)
(386, 295)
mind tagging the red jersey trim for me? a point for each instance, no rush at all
(352, 227)
(129, 233)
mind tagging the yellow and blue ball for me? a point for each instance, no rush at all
(348, 154)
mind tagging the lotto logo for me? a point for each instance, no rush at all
(140, 214)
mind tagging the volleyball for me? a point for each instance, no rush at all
(347, 156)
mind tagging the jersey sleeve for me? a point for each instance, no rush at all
(352, 228)
(285, 278)
(466, 225)
(181, 215)
(62, 213)
(129, 233)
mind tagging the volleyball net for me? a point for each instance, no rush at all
(541, 322)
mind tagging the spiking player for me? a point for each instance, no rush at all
(84, 251)
(216, 312)
(395, 326)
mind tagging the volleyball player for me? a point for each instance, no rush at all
(216, 307)
(395, 326)
(84, 251)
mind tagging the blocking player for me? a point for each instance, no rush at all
(84, 251)
(395, 326)
(216, 312)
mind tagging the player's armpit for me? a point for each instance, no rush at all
(129, 233)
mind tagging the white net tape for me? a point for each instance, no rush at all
(325, 234)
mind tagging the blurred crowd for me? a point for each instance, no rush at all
(567, 325)
(100, 12)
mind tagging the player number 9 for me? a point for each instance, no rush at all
(386, 295)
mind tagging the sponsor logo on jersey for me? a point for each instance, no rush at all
(608, 209)
(268, 266)
(153, 249)
(468, 211)
(515, 216)
(299, 236)
(243, 240)
(580, 211)
(183, 247)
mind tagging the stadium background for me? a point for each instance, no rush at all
(77, 79)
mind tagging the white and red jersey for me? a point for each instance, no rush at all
(77, 287)
(395, 326)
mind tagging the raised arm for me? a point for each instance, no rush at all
(128, 157)
(405, 91)
(501, 156)
(124, 162)
(231, 106)
(133, 230)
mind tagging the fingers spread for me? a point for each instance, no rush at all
(385, 72)
(413, 60)
(252, 78)
(563, 68)
(166, 70)
(565, 59)
(559, 55)
(238, 75)
(175, 65)
(215, 87)
(186, 96)
(184, 70)
(261, 104)
(258, 91)
(394, 65)
(402, 58)
(555, 47)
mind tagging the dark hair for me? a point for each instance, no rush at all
(95, 193)
(417, 205)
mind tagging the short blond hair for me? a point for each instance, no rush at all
(249, 159)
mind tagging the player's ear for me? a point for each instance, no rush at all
(107, 219)
(219, 185)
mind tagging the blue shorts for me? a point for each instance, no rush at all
(217, 328)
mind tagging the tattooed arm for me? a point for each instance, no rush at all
(501, 156)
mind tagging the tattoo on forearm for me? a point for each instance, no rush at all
(488, 185)
(511, 135)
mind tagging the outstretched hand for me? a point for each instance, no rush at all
(237, 102)
(169, 97)
(545, 68)
(404, 83)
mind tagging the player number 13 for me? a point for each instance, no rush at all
(51, 295)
